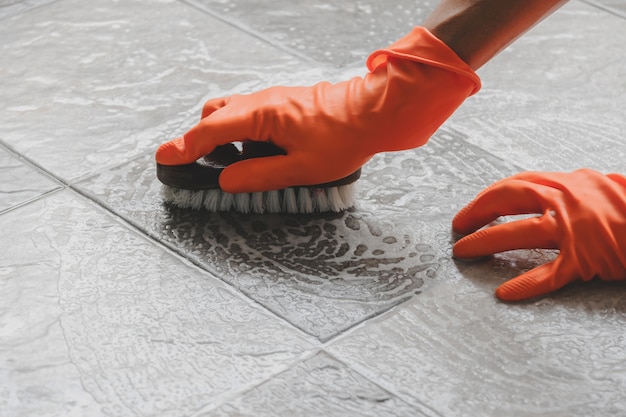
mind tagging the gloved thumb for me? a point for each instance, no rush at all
(221, 126)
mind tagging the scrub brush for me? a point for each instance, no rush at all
(196, 185)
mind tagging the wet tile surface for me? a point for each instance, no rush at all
(321, 386)
(560, 356)
(617, 7)
(124, 306)
(9, 8)
(553, 107)
(84, 88)
(97, 320)
(322, 273)
(335, 33)
(21, 182)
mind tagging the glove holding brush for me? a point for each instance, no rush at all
(325, 133)
(328, 131)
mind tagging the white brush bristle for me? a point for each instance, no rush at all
(305, 200)
(290, 200)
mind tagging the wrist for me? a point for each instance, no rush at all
(478, 29)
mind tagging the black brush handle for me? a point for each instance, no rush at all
(205, 172)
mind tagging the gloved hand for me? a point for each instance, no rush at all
(583, 214)
(329, 130)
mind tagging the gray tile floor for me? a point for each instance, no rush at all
(115, 305)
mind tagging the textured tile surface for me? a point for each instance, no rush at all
(460, 352)
(86, 87)
(10, 8)
(614, 6)
(97, 320)
(321, 386)
(322, 273)
(103, 312)
(20, 182)
(336, 33)
(547, 105)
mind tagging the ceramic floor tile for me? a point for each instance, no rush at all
(555, 99)
(462, 353)
(20, 182)
(336, 33)
(617, 7)
(97, 320)
(10, 8)
(321, 386)
(322, 273)
(85, 87)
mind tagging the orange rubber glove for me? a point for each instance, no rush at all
(583, 215)
(329, 130)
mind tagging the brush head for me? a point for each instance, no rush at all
(196, 186)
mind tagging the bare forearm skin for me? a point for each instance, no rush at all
(478, 29)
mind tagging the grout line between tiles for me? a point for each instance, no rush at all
(25, 6)
(319, 341)
(33, 199)
(174, 251)
(238, 25)
(240, 393)
(60, 184)
(32, 164)
(379, 317)
(612, 10)
(424, 408)
(227, 398)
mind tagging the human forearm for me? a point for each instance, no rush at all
(478, 29)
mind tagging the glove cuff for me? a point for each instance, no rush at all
(420, 45)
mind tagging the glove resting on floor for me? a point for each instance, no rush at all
(329, 130)
(583, 214)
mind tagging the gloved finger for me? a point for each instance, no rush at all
(554, 180)
(538, 281)
(212, 105)
(263, 174)
(506, 197)
(221, 128)
(536, 232)
(618, 178)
